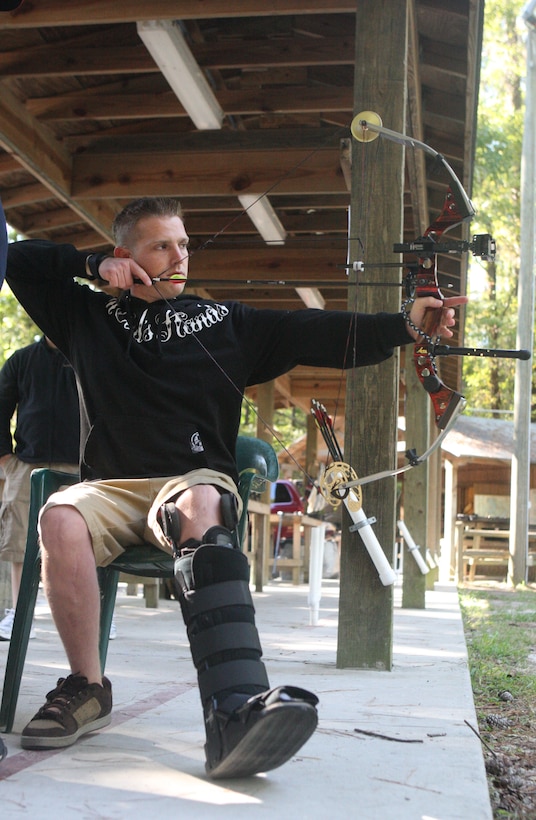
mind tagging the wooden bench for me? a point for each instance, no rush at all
(151, 587)
(481, 546)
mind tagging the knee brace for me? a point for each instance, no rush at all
(249, 728)
(225, 535)
(219, 615)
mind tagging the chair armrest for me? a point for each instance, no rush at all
(44, 482)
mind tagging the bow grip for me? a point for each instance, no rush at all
(432, 318)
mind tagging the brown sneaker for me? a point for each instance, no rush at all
(73, 708)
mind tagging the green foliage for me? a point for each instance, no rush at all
(499, 631)
(18, 329)
(289, 423)
(491, 317)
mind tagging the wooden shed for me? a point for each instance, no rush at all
(477, 459)
(480, 452)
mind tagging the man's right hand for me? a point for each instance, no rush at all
(122, 272)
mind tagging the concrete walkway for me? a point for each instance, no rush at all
(389, 746)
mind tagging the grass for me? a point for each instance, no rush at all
(500, 631)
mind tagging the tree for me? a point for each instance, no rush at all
(289, 423)
(18, 330)
(492, 312)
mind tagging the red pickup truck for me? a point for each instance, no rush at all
(285, 499)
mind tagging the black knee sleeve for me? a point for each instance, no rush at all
(219, 615)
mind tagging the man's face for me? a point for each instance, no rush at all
(160, 246)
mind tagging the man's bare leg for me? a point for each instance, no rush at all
(72, 589)
(82, 701)
(199, 509)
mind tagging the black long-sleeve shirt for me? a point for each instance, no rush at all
(38, 384)
(162, 382)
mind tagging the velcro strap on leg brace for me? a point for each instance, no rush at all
(242, 635)
(216, 596)
(231, 675)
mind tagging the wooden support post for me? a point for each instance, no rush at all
(436, 521)
(415, 496)
(311, 447)
(265, 408)
(448, 562)
(366, 606)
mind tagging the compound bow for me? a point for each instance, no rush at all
(340, 482)
(422, 280)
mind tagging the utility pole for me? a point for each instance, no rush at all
(520, 477)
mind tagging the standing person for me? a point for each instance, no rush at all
(3, 257)
(162, 375)
(37, 383)
(3, 245)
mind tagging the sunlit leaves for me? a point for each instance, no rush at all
(492, 312)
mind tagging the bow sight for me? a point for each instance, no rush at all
(482, 245)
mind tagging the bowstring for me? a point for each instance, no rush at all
(210, 241)
(351, 342)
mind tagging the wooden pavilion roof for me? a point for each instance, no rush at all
(88, 122)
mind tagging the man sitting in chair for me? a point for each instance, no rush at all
(161, 375)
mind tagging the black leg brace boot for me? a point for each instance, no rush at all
(249, 728)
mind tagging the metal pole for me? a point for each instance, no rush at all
(520, 478)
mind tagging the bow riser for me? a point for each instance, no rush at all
(444, 399)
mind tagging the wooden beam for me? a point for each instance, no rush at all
(35, 147)
(290, 51)
(44, 157)
(186, 173)
(50, 61)
(49, 220)
(298, 387)
(295, 99)
(45, 13)
(85, 240)
(25, 195)
(415, 160)
(445, 22)
(313, 387)
(316, 223)
(270, 263)
(309, 204)
(283, 386)
(81, 60)
(9, 164)
(309, 140)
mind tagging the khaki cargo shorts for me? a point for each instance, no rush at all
(121, 513)
(16, 505)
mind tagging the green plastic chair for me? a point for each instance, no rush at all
(257, 463)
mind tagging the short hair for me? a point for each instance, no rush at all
(126, 220)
